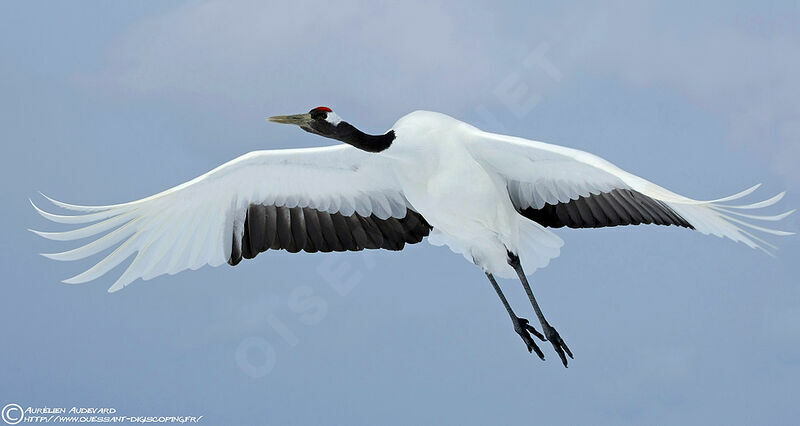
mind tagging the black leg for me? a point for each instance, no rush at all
(550, 332)
(521, 325)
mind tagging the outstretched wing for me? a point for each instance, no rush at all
(320, 199)
(558, 186)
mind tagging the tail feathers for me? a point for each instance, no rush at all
(728, 221)
(537, 245)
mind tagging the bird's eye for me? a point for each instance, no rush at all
(320, 113)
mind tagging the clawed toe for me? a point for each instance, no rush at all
(534, 331)
(558, 343)
(524, 329)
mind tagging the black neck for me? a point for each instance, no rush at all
(346, 133)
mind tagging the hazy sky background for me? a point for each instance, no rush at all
(107, 102)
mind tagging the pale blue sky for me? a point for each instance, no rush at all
(107, 102)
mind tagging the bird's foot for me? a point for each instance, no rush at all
(525, 331)
(558, 343)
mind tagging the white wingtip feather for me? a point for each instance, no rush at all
(76, 219)
(760, 204)
(49, 235)
(77, 207)
(52, 256)
(738, 195)
(773, 218)
(87, 231)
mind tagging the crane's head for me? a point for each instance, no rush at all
(320, 120)
(324, 122)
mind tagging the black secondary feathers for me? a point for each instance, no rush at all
(614, 208)
(307, 229)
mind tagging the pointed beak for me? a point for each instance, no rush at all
(297, 119)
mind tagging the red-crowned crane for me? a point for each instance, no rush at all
(487, 196)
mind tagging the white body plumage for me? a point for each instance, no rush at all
(465, 200)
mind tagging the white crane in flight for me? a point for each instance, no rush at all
(487, 196)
